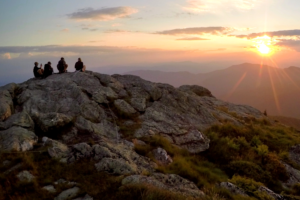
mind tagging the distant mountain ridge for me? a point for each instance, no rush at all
(268, 88)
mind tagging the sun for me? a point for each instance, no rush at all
(263, 44)
(264, 49)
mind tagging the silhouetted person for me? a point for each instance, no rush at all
(38, 71)
(62, 66)
(79, 66)
(48, 70)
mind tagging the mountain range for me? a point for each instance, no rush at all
(276, 90)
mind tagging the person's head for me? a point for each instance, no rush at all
(49, 63)
(79, 59)
(36, 64)
(62, 58)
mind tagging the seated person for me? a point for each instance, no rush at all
(48, 70)
(38, 71)
(62, 66)
(79, 66)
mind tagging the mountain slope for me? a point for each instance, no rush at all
(266, 88)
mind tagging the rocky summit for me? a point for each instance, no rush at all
(98, 118)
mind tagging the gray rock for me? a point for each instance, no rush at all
(138, 103)
(21, 119)
(86, 197)
(68, 194)
(233, 188)
(17, 166)
(49, 188)
(25, 176)
(65, 182)
(6, 105)
(270, 193)
(52, 120)
(79, 151)
(115, 166)
(57, 149)
(124, 108)
(162, 156)
(294, 153)
(88, 104)
(170, 182)
(293, 174)
(196, 89)
(17, 139)
(103, 94)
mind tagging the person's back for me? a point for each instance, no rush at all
(79, 65)
(37, 71)
(62, 66)
(48, 70)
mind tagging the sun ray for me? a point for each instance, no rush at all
(236, 85)
(274, 92)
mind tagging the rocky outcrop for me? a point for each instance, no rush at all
(170, 182)
(91, 103)
(25, 176)
(196, 89)
(270, 193)
(162, 156)
(68, 194)
(7, 94)
(17, 139)
(293, 174)
(49, 188)
(233, 188)
(113, 157)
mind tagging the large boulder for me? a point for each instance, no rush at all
(25, 176)
(68, 194)
(196, 89)
(233, 188)
(124, 108)
(170, 182)
(21, 119)
(6, 105)
(293, 175)
(17, 139)
(270, 193)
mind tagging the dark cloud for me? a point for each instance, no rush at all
(191, 39)
(283, 33)
(198, 31)
(293, 44)
(103, 14)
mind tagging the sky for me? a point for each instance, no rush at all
(119, 34)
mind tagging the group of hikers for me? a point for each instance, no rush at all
(62, 66)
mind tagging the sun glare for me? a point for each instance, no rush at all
(263, 44)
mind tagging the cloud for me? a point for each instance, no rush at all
(65, 30)
(103, 14)
(6, 56)
(198, 6)
(199, 31)
(191, 38)
(279, 34)
(116, 24)
(89, 29)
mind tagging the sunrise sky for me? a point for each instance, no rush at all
(133, 32)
